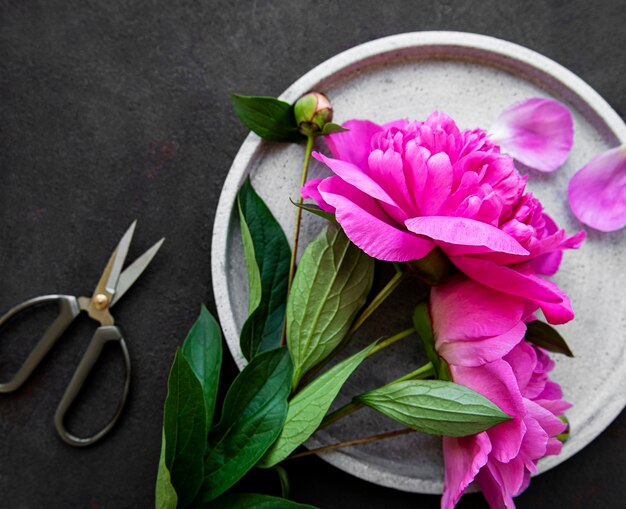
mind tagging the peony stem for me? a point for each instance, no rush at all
(378, 300)
(391, 340)
(426, 371)
(296, 234)
(359, 441)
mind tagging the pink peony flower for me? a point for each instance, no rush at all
(467, 319)
(404, 188)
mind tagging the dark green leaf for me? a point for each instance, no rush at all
(545, 336)
(254, 501)
(185, 430)
(331, 128)
(267, 258)
(165, 494)
(309, 406)
(330, 286)
(315, 209)
(268, 117)
(203, 350)
(424, 327)
(253, 415)
(436, 407)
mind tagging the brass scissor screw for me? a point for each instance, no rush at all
(100, 301)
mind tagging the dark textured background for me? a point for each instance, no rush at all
(115, 110)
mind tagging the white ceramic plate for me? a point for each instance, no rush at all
(472, 78)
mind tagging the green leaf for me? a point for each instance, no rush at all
(331, 128)
(435, 406)
(267, 255)
(166, 497)
(424, 327)
(309, 406)
(545, 336)
(253, 415)
(268, 117)
(330, 286)
(185, 430)
(315, 209)
(203, 351)
(254, 501)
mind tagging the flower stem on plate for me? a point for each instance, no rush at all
(378, 300)
(426, 371)
(296, 234)
(359, 441)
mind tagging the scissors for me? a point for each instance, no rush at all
(112, 286)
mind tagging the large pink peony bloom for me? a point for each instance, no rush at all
(467, 318)
(404, 188)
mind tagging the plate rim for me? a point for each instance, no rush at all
(441, 41)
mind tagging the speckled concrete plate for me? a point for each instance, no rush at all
(472, 78)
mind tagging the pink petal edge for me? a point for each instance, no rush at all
(597, 192)
(537, 132)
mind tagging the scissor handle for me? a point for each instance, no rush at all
(94, 349)
(68, 311)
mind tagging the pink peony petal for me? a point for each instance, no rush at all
(537, 132)
(309, 190)
(464, 232)
(354, 145)
(438, 184)
(366, 224)
(553, 302)
(496, 381)
(494, 488)
(357, 177)
(458, 309)
(482, 351)
(464, 457)
(597, 192)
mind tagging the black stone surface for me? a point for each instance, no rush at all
(116, 110)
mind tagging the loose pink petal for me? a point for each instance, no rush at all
(597, 192)
(464, 457)
(309, 190)
(354, 145)
(367, 225)
(465, 232)
(357, 177)
(537, 132)
(459, 307)
(481, 351)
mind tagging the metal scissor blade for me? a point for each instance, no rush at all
(133, 271)
(120, 256)
(111, 274)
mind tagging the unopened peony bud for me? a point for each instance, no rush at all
(312, 111)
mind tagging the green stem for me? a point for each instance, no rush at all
(390, 341)
(378, 300)
(359, 441)
(426, 371)
(296, 234)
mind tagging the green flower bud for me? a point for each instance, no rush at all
(562, 437)
(312, 111)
